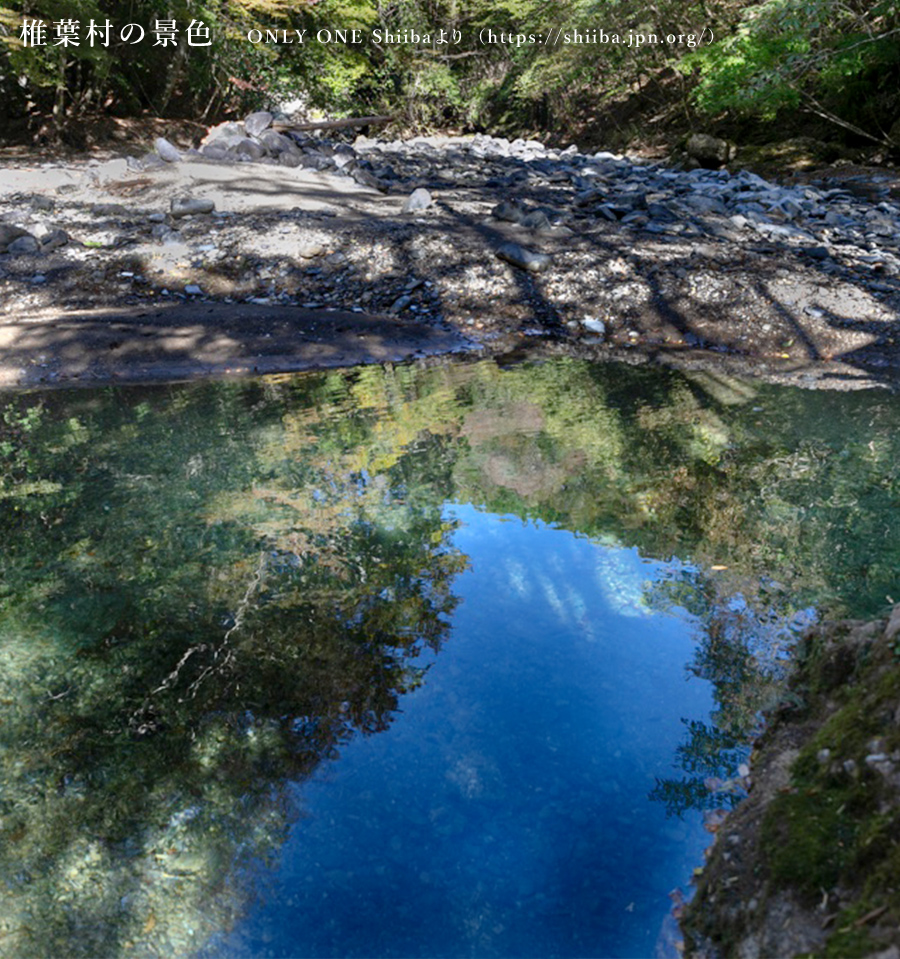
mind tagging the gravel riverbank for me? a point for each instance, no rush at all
(473, 243)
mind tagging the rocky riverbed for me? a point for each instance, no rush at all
(467, 242)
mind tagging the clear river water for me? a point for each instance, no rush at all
(444, 661)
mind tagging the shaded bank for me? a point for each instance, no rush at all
(808, 863)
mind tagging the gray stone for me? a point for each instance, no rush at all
(214, 151)
(109, 209)
(250, 149)
(310, 249)
(400, 304)
(193, 290)
(9, 233)
(594, 325)
(54, 239)
(419, 199)
(275, 143)
(364, 178)
(539, 221)
(189, 205)
(257, 122)
(23, 244)
(229, 129)
(166, 151)
(150, 161)
(510, 212)
(523, 258)
(709, 151)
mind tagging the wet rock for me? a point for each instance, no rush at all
(189, 205)
(420, 199)
(166, 151)
(523, 258)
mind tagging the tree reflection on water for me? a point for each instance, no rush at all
(206, 590)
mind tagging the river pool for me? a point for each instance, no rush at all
(449, 660)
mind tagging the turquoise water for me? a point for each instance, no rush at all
(441, 661)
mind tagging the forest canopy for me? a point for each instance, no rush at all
(462, 64)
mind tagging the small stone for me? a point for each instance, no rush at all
(108, 209)
(8, 233)
(400, 304)
(189, 205)
(523, 258)
(23, 244)
(193, 290)
(364, 178)
(419, 199)
(166, 151)
(310, 249)
(594, 325)
(537, 220)
(53, 240)
(510, 212)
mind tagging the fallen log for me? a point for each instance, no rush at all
(284, 127)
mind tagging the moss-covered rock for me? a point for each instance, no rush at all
(809, 863)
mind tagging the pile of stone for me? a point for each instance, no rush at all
(851, 221)
(254, 139)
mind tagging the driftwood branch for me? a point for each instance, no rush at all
(283, 127)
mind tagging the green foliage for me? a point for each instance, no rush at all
(794, 53)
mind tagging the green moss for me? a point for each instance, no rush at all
(832, 829)
(810, 835)
(849, 941)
